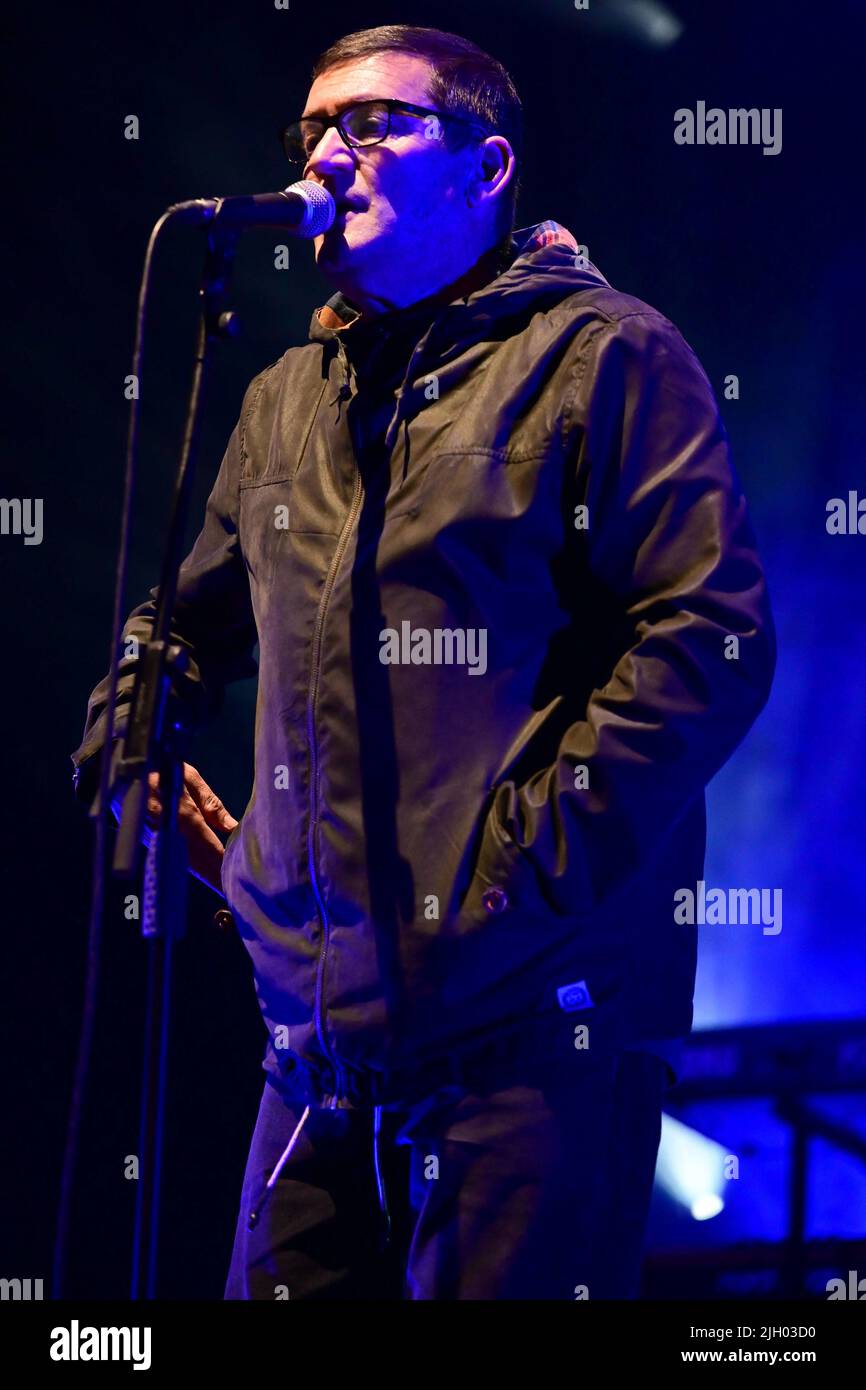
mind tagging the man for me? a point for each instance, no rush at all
(511, 621)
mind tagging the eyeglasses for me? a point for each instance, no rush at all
(365, 123)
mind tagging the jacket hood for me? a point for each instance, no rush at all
(547, 265)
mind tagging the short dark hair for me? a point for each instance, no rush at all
(464, 80)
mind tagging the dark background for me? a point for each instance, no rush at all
(757, 259)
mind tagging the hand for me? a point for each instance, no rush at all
(200, 815)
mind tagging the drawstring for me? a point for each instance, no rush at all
(399, 417)
(264, 1195)
(380, 1181)
(404, 394)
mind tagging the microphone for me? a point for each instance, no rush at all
(305, 209)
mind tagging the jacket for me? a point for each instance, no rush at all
(510, 622)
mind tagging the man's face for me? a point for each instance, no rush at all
(403, 224)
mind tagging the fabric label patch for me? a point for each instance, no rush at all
(574, 997)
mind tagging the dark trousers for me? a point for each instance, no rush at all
(536, 1191)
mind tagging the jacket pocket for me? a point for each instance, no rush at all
(504, 880)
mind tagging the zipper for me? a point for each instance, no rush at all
(313, 827)
(312, 832)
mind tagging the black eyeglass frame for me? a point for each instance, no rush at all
(391, 103)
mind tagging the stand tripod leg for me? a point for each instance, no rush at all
(152, 1105)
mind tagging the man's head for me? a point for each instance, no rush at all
(420, 208)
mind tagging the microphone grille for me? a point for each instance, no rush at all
(321, 208)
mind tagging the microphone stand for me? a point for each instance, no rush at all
(157, 736)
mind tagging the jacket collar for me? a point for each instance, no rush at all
(545, 267)
(339, 316)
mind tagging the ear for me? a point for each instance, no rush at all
(492, 170)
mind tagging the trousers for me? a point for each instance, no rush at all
(536, 1190)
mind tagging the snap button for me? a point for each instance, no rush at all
(223, 920)
(494, 899)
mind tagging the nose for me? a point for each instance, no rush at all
(330, 154)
